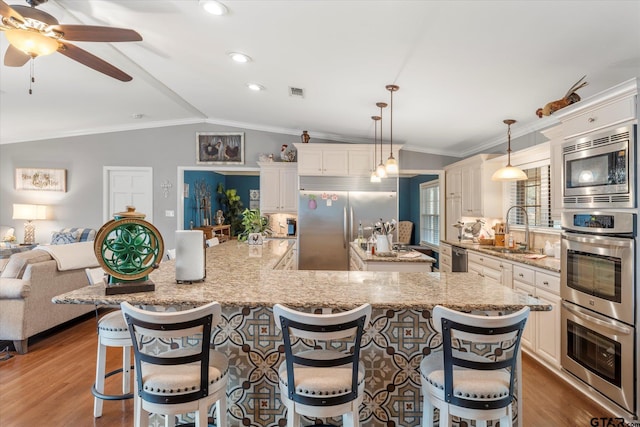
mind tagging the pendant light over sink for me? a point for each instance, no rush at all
(391, 165)
(374, 174)
(509, 173)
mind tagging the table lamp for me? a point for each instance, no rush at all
(29, 213)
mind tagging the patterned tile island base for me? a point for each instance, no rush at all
(244, 281)
(393, 347)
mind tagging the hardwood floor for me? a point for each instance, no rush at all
(50, 386)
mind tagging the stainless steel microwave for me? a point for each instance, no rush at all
(599, 170)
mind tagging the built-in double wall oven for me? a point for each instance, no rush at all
(599, 301)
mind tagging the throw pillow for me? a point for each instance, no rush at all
(58, 238)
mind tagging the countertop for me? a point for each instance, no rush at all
(398, 256)
(240, 275)
(546, 263)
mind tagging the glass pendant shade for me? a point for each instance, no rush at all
(375, 177)
(391, 165)
(31, 42)
(381, 171)
(509, 173)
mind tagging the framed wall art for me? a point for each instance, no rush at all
(41, 179)
(219, 148)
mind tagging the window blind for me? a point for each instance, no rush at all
(534, 195)
(430, 213)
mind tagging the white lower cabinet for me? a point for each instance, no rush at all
(289, 260)
(496, 269)
(542, 333)
(444, 262)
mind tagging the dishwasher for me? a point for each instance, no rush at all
(458, 259)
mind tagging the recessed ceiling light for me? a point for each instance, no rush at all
(214, 7)
(239, 57)
(255, 86)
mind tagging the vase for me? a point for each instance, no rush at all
(382, 243)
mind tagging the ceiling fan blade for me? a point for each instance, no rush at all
(33, 13)
(14, 57)
(93, 33)
(92, 61)
(8, 12)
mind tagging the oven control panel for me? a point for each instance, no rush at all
(622, 223)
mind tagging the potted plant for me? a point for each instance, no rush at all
(253, 222)
(232, 207)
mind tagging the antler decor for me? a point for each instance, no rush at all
(569, 98)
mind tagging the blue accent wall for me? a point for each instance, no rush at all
(242, 183)
(409, 204)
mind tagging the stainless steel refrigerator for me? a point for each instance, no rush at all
(329, 212)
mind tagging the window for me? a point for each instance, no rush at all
(534, 195)
(430, 213)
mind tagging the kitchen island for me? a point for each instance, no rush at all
(242, 278)
(402, 261)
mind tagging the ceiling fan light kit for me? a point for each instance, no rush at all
(32, 32)
(509, 173)
(31, 42)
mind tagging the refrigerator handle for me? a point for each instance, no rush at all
(350, 225)
(344, 229)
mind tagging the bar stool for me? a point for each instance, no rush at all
(465, 384)
(322, 382)
(112, 332)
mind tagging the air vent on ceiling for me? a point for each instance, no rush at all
(296, 91)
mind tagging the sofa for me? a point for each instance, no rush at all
(31, 279)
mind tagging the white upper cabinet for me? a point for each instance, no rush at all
(470, 179)
(337, 159)
(598, 116)
(278, 187)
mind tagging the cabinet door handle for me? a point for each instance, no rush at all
(545, 283)
(520, 274)
(591, 119)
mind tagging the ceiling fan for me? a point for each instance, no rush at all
(32, 32)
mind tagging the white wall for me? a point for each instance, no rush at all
(163, 149)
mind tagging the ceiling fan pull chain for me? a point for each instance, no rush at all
(32, 79)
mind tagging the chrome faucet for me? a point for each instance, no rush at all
(526, 224)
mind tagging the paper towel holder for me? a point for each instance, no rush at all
(190, 256)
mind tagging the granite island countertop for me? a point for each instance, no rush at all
(546, 263)
(240, 275)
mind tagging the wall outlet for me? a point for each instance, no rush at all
(169, 213)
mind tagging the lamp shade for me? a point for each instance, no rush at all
(31, 42)
(29, 212)
(509, 173)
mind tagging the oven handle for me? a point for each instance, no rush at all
(620, 329)
(598, 240)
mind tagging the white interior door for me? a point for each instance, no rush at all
(128, 186)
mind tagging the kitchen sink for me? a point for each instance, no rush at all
(509, 250)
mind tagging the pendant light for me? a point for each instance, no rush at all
(391, 165)
(509, 173)
(374, 175)
(381, 171)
